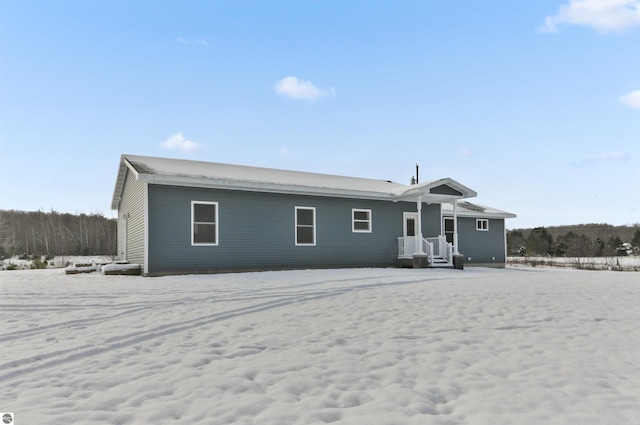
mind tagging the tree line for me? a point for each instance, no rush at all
(541, 242)
(52, 233)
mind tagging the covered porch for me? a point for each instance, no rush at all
(435, 250)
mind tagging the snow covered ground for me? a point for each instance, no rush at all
(626, 263)
(363, 346)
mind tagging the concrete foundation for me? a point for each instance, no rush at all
(420, 261)
(458, 261)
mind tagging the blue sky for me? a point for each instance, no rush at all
(535, 104)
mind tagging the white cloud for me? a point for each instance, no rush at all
(178, 142)
(299, 89)
(602, 15)
(632, 100)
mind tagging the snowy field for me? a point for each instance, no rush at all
(358, 346)
(626, 263)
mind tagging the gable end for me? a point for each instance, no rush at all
(445, 189)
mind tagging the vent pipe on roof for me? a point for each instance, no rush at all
(416, 179)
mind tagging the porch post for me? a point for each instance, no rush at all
(419, 227)
(455, 227)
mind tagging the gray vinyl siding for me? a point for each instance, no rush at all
(481, 246)
(257, 231)
(132, 203)
(431, 219)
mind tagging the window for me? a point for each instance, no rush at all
(361, 220)
(305, 226)
(482, 224)
(204, 223)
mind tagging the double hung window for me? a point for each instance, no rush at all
(204, 223)
(305, 226)
(361, 221)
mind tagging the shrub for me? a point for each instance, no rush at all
(37, 263)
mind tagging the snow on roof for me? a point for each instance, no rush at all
(239, 177)
(465, 208)
(242, 173)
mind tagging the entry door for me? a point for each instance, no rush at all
(410, 223)
(448, 229)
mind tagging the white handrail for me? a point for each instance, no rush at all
(434, 246)
(441, 247)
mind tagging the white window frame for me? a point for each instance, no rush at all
(369, 221)
(313, 226)
(482, 224)
(193, 223)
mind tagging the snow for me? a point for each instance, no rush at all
(230, 173)
(620, 263)
(357, 346)
(239, 177)
(120, 268)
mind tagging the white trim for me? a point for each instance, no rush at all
(131, 168)
(124, 236)
(455, 227)
(216, 223)
(480, 227)
(419, 227)
(369, 220)
(146, 228)
(444, 227)
(409, 214)
(313, 226)
(504, 228)
(268, 187)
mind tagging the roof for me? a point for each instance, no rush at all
(467, 209)
(239, 177)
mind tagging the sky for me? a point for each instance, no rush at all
(534, 104)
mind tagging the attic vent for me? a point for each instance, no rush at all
(470, 206)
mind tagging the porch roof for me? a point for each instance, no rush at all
(467, 209)
(239, 177)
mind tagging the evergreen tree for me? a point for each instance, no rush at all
(577, 245)
(539, 242)
(515, 243)
(600, 247)
(613, 244)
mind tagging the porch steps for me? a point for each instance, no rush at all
(439, 261)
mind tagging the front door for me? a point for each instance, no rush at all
(448, 229)
(410, 224)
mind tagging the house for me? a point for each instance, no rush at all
(179, 216)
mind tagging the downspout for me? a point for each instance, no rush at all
(504, 227)
(419, 236)
(455, 227)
